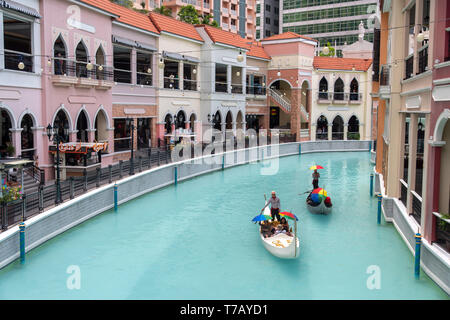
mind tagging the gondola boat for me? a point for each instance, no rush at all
(319, 209)
(281, 245)
(318, 195)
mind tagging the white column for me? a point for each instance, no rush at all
(313, 132)
(2, 47)
(229, 76)
(330, 131)
(345, 130)
(224, 129)
(181, 74)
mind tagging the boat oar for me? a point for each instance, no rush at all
(300, 194)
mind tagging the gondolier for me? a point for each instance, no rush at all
(274, 202)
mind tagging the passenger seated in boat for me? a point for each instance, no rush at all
(327, 202)
(266, 229)
(311, 202)
(285, 226)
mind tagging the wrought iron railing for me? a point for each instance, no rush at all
(416, 208)
(403, 193)
(236, 88)
(423, 59)
(256, 90)
(385, 75)
(171, 83)
(409, 67)
(18, 61)
(221, 87)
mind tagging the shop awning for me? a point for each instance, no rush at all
(145, 46)
(190, 59)
(172, 55)
(13, 5)
(15, 164)
(124, 41)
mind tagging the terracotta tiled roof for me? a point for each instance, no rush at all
(174, 26)
(286, 36)
(127, 16)
(256, 50)
(331, 63)
(225, 37)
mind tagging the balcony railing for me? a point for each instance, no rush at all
(225, 25)
(339, 96)
(122, 76)
(385, 75)
(416, 208)
(403, 193)
(236, 88)
(221, 87)
(337, 135)
(233, 12)
(423, 59)
(171, 83)
(190, 85)
(77, 69)
(256, 90)
(122, 144)
(18, 61)
(144, 79)
(409, 67)
(344, 97)
(225, 10)
(206, 5)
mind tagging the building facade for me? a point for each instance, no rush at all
(21, 71)
(341, 101)
(267, 18)
(336, 22)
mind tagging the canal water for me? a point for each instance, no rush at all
(197, 241)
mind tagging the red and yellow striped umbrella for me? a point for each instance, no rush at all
(316, 167)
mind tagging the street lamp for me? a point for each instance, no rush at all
(54, 131)
(131, 123)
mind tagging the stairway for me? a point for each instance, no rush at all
(284, 102)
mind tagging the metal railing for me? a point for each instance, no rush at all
(337, 136)
(256, 90)
(423, 59)
(236, 88)
(280, 98)
(324, 95)
(19, 61)
(36, 173)
(409, 67)
(443, 233)
(190, 85)
(385, 75)
(416, 208)
(144, 79)
(221, 87)
(72, 68)
(403, 193)
(171, 83)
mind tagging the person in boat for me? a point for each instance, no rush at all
(274, 202)
(327, 202)
(285, 226)
(266, 229)
(311, 202)
(315, 176)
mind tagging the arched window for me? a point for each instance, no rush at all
(100, 61)
(192, 120)
(101, 127)
(217, 121)
(81, 57)
(239, 121)
(82, 126)
(322, 128)
(59, 55)
(61, 122)
(353, 129)
(338, 128)
(229, 121)
(27, 137)
(339, 89)
(180, 120)
(5, 133)
(323, 89)
(354, 90)
(168, 123)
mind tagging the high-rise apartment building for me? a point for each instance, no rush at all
(334, 21)
(267, 18)
(236, 16)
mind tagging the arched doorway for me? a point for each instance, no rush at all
(354, 90)
(239, 121)
(100, 61)
(322, 128)
(82, 127)
(339, 89)
(168, 123)
(323, 89)
(61, 122)
(338, 128)
(217, 121)
(59, 55)
(81, 56)
(27, 137)
(101, 127)
(180, 120)
(229, 121)
(280, 93)
(353, 129)
(5, 134)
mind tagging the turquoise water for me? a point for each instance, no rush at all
(196, 241)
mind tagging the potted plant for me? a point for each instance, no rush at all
(10, 150)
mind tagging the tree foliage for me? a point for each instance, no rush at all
(163, 10)
(124, 3)
(331, 51)
(189, 14)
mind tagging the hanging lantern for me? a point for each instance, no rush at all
(161, 64)
(100, 68)
(89, 66)
(194, 71)
(21, 65)
(278, 73)
(238, 74)
(49, 62)
(326, 50)
(149, 70)
(240, 57)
